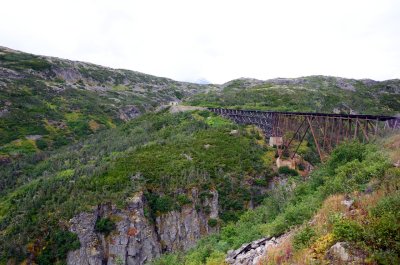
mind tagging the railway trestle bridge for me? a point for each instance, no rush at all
(326, 130)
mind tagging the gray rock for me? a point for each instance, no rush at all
(91, 249)
(341, 253)
(33, 137)
(252, 253)
(348, 203)
(135, 240)
(180, 230)
(248, 253)
(128, 113)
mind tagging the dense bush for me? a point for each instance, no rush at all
(285, 170)
(212, 222)
(388, 205)
(105, 226)
(163, 204)
(345, 153)
(303, 238)
(58, 245)
(347, 230)
(183, 199)
(384, 232)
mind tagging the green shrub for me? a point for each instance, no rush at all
(288, 171)
(42, 144)
(344, 153)
(294, 214)
(183, 199)
(58, 246)
(105, 226)
(261, 182)
(164, 204)
(168, 259)
(212, 222)
(347, 230)
(303, 238)
(386, 257)
(390, 204)
(217, 121)
(384, 232)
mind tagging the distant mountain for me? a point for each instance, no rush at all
(202, 81)
(309, 94)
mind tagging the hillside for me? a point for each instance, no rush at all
(48, 102)
(345, 212)
(165, 156)
(306, 94)
(94, 171)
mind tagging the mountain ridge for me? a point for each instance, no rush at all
(46, 102)
(202, 81)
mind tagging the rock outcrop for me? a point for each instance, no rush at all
(342, 253)
(252, 253)
(133, 242)
(180, 230)
(137, 240)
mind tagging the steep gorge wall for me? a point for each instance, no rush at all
(136, 239)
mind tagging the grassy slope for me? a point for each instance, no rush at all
(41, 191)
(360, 171)
(371, 225)
(63, 100)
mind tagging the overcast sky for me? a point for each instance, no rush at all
(213, 40)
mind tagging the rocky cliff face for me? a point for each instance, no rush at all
(137, 240)
(179, 230)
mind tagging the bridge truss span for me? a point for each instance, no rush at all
(326, 130)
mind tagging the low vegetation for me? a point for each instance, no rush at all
(158, 153)
(104, 226)
(355, 169)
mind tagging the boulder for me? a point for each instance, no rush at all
(342, 253)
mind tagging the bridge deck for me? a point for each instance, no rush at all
(312, 114)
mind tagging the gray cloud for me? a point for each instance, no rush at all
(213, 40)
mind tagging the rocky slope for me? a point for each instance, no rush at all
(136, 239)
(46, 102)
